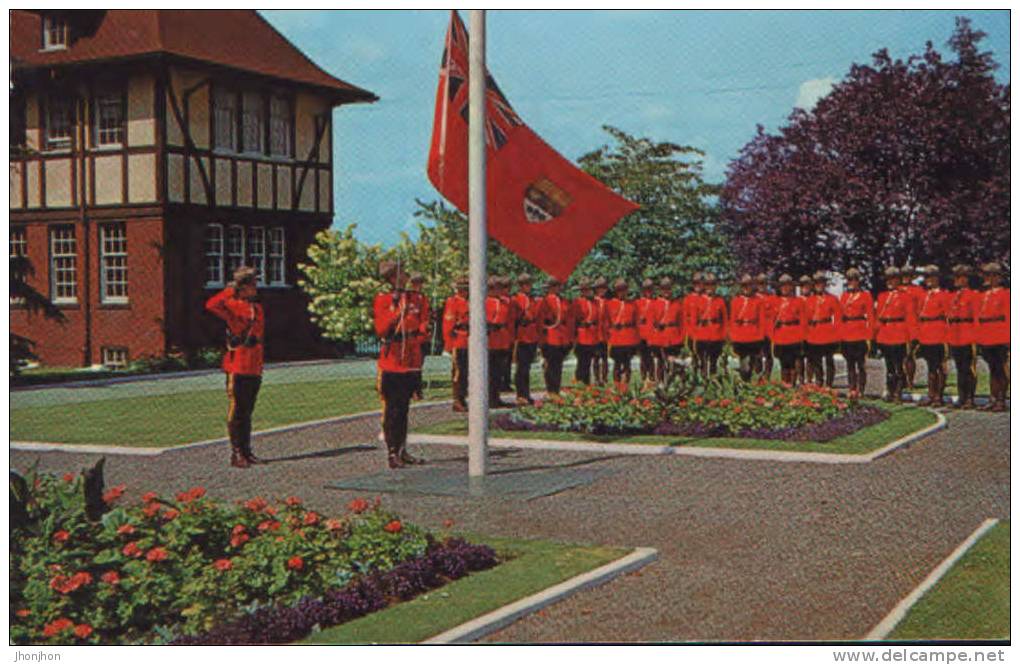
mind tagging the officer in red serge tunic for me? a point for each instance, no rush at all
(666, 320)
(644, 330)
(587, 315)
(961, 318)
(895, 319)
(456, 318)
(600, 363)
(557, 329)
(993, 333)
(398, 324)
(710, 326)
(622, 323)
(498, 318)
(787, 328)
(856, 329)
(747, 328)
(916, 292)
(823, 314)
(242, 362)
(691, 303)
(526, 337)
(415, 284)
(933, 335)
(769, 301)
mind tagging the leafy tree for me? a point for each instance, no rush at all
(904, 161)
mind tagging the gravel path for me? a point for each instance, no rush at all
(748, 550)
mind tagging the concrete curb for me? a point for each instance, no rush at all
(950, 399)
(506, 615)
(886, 625)
(691, 451)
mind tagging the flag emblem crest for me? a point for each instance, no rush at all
(544, 201)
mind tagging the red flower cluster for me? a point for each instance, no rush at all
(191, 495)
(293, 501)
(393, 527)
(111, 577)
(334, 524)
(61, 536)
(148, 497)
(132, 550)
(238, 536)
(68, 477)
(151, 509)
(311, 518)
(113, 494)
(57, 626)
(82, 630)
(256, 505)
(295, 563)
(125, 530)
(357, 506)
(64, 584)
(171, 514)
(269, 525)
(223, 564)
(156, 554)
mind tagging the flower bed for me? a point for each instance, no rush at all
(87, 569)
(693, 407)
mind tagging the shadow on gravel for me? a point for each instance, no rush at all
(336, 452)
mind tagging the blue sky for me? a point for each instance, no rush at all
(700, 78)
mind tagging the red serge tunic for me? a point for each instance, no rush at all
(789, 325)
(710, 319)
(527, 321)
(993, 317)
(245, 320)
(916, 294)
(691, 303)
(747, 319)
(895, 319)
(823, 314)
(643, 323)
(398, 324)
(456, 318)
(555, 320)
(770, 303)
(857, 323)
(961, 317)
(604, 330)
(666, 322)
(621, 320)
(587, 321)
(932, 319)
(497, 318)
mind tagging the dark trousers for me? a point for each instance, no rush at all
(552, 366)
(997, 357)
(499, 359)
(459, 375)
(895, 376)
(585, 355)
(242, 391)
(856, 354)
(966, 376)
(708, 352)
(647, 356)
(395, 389)
(524, 356)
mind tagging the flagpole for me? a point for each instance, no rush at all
(478, 356)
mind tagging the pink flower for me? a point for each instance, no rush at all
(334, 524)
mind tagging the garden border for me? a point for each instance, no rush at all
(504, 616)
(897, 614)
(691, 451)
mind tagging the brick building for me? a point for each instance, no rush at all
(153, 152)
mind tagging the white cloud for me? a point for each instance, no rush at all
(366, 50)
(656, 111)
(811, 91)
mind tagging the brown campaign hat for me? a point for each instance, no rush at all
(931, 270)
(584, 283)
(461, 283)
(492, 282)
(416, 278)
(961, 269)
(553, 281)
(387, 269)
(620, 284)
(820, 276)
(746, 279)
(992, 268)
(785, 279)
(524, 278)
(601, 282)
(698, 276)
(648, 283)
(245, 275)
(708, 277)
(665, 281)
(806, 279)
(762, 278)
(853, 273)
(892, 271)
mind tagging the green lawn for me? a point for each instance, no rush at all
(971, 602)
(529, 567)
(902, 421)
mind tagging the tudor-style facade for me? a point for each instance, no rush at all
(153, 152)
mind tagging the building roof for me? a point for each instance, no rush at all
(238, 39)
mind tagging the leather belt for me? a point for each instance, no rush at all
(740, 322)
(992, 319)
(585, 324)
(933, 318)
(855, 318)
(621, 326)
(952, 320)
(717, 319)
(780, 324)
(897, 320)
(819, 322)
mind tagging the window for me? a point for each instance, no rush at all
(55, 32)
(277, 256)
(113, 263)
(63, 265)
(225, 118)
(109, 119)
(115, 357)
(59, 122)
(214, 255)
(235, 249)
(281, 122)
(19, 250)
(257, 252)
(253, 122)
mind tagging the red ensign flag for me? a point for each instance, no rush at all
(540, 206)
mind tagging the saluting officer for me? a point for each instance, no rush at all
(397, 317)
(856, 330)
(242, 362)
(933, 335)
(823, 314)
(526, 337)
(456, 318)
(747, 328)
(787, 330)
(895, 318)
(993, 333)
(557, 329)
(600, 361)
(622, 321)
(647, 364)
(710, 326)
(415, 284)
(587, 317)
(961, 333)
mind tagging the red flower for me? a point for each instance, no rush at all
(132, 550)
(311, 519)
(447, 524)
(699, 400)
(358, 506)
(111, 577)
(171, 514)
(148, 497)
(393, 527)
(82, 630)
(279, 539)
(256, 505)
(57, 626)
(61, 536)
(293, 501)
(64, 584)
(113, 494)
(223, 564)
(759, 401)
(68, 478)
(125, 530)
(737, 409)
(23, 612)
(270, 510)
(152, 509)
(295, 563)
(334, 524)
(156, 554)
(238, 536)
(269, 525)
(725, 402)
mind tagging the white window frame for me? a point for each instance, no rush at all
(113, 263)
(277, 256)
(214, 247)
(63, 262)
(281, 127)
(115, 357)
(257, 252)
(111, 136)
(233, 259)
(18, 248)
(55, 33)
(225, 119)
(59, 141)
(253, 123)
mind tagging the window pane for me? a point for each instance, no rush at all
(225, 118)
(59, 120)
(213, 255)
(113, 257)
(235, 249)
(277, 256)
(280, 123)
(253, 122)
(109, 120)
(257, 251)
(63, 265)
